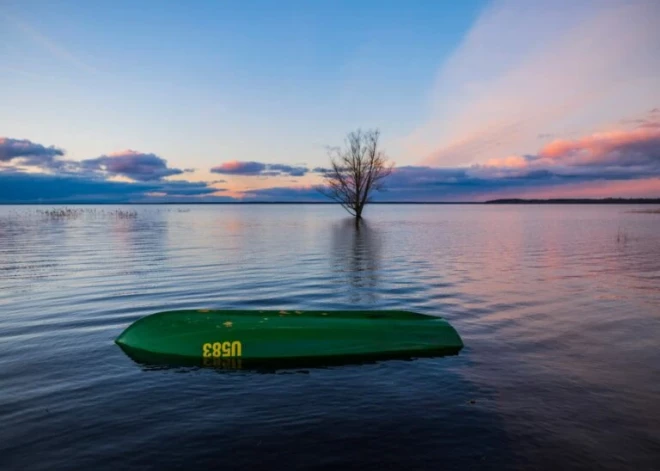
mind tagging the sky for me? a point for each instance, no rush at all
(168, 101)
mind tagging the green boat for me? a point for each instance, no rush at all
(243, 339)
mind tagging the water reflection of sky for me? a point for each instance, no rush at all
(559, 317)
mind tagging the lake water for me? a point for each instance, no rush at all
(558, 306)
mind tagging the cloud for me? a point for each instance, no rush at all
(298, 194)
(259, 169)
(542, 67)
(598, 161)
(132, 164)
(26, 152)
(622, 148)
(625, 162)
(68, 180)
(639, 188)
(30, 187)
(288, 170)
(631, 153)
(239, 168)
(24, 187)
(650, 121)
(184, 188)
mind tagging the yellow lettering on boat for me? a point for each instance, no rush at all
(227, 349)
(207, 349)
(217, 349)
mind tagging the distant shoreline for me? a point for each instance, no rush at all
(576, 201)
(496, 201)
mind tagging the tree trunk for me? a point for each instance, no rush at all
(358, 212)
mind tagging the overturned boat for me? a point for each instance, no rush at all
(238, 339)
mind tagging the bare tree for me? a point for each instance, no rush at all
(356, 171)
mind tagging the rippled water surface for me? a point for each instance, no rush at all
(559, 308)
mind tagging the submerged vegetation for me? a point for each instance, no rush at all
(90, 213)
(63, 213)
(75, 213)
(622, 236)
(647, 211)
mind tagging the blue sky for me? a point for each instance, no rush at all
(180, 88)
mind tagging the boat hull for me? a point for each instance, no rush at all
(247, 338)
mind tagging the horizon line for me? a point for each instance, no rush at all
(609, 200)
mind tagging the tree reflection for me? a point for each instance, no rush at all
(356, 250)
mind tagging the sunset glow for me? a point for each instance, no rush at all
(467, 110)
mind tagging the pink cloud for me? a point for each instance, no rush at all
(601, 147)
(235, 167)
(622, 153)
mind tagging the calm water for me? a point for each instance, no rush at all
(559, 307)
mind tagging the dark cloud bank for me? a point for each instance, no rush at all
(21, 187)
(86, 181)
(260, 169)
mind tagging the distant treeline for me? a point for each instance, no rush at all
(578, 201)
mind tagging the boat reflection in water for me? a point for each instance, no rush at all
(154, 361)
